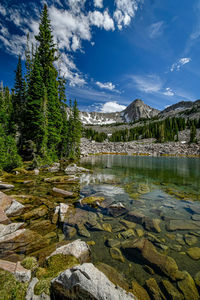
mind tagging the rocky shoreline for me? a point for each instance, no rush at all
(142, 147)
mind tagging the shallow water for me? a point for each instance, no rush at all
(159, 188)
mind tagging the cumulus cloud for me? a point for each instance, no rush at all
(112, 106)
(125, 10)
(168, 92)
(176, 66)
(101, 20)
(156, 29)
(98, 3)
(107, 85)
(71, 24)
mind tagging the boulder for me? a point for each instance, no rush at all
(15, 209)
(63, 211)
(54, 168)
(188, 288)
(22, 240)
(77, 248)
(8, 229)
(30, 292)
(16, 269)
(5, 201)
(174, 225)
(146, 250)
(3, 218)
(194, 253)
(86, 282)
(61, 193)
(36, 213)
(4, 186)
(74, 169)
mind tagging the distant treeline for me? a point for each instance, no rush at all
(163, 131)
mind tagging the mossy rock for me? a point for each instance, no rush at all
(54, 265)
(92, 200)
(30, 263)
(20, 170)
(43, 286)
(10, 288)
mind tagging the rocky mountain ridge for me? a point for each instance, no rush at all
(139, 110)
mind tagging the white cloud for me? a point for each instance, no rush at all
(101, 20)
(156, 29)
(125, 10)
(107, 85)
(176, 66)
(2, 10)
(148, 83)
(168, 92)
(70, 25)
(98, 3)
(113, 106)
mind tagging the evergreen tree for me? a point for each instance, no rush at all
(18, 99)
(193, 132)
(36, 108)
(46, 55)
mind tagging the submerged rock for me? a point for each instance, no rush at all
(174, 225)
(139, 291)
(149, 254)
(78, 249)
(197, 279)
(190, 239)
(116, 254)
(154, 289)
(152, 224)
(62, 193)
(117, 209)
(87, 282)
(188, 288)
(170, 291)
(194, 253)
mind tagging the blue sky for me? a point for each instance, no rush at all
(113, 51)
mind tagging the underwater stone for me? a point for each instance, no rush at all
(154, 289)
(188, 288)
(117, 209)
(170, 291)
(197, 279)
(190, 239)
(61, 193)
(182, 225)
(116, 254)
(148, 252)
(194, 253)
(139, 291)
